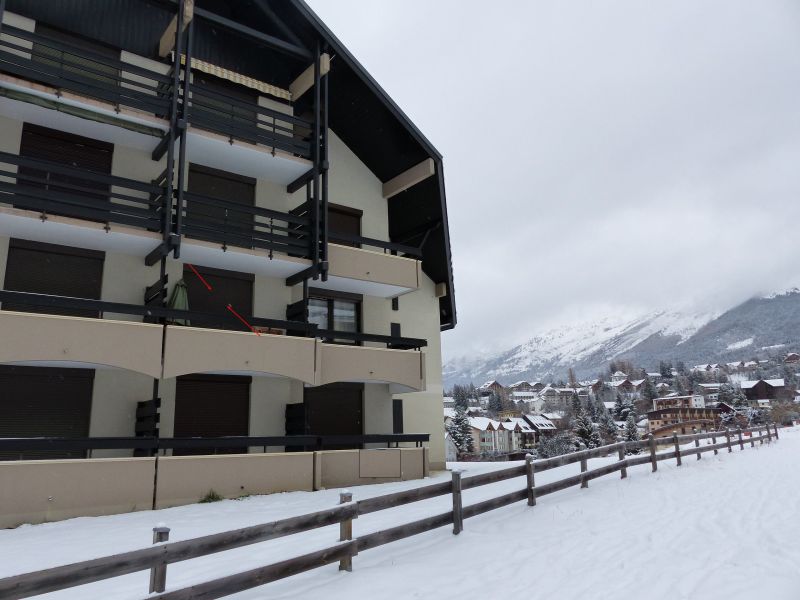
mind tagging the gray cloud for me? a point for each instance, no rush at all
(620, 153)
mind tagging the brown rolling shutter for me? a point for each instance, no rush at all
(217, 223)
(344, 220)
(55, 270)
(212, 406)
(45, 402)
(227, 287)
(66, 149)
(335, 409)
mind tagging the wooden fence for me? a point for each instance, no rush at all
(162, 553)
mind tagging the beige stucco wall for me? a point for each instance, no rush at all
(363, 467)
(187, 479)
(114, 399)
(39, 491)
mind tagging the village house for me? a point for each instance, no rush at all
(691, 401)
(490, 387)
(619, 376)
(792, 358)
(766, 389)
(541, 426)
(666, 421)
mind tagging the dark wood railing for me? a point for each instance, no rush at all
(157, 558)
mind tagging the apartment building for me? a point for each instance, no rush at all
(213, 222)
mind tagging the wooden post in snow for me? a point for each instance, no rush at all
(346, 531)
(158, 574)
(531, 482)
(653, 459)
(677, 447)
(458, 518)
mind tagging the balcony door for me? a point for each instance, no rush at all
(227, 287)
(335, 409)
(54, 270)
(45, 190)
(45, 402)
(212, 406)
(217, 206)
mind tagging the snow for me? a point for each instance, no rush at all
(740, 344)
(719, 528)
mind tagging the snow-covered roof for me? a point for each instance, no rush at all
(524, 394)
(654, 374)
(710, 386)
(515, 423)
(484, 423)
(746, 385)
(619, 374)
(519, 383)
(609, 405)
(449, 413)
(541, 422)
(662, 385)
(489, 384)
(619, 383)
(553, 415)
(637, 382)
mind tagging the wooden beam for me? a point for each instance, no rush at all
(305, 81)
(409, 178)
(167, 41)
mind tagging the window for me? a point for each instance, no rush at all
(336, 311)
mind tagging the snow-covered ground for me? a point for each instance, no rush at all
(725, 527)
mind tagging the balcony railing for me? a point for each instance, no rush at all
(46, 303)
(41, 59)
(230, 223)
(67, 67)
(56, 189)
(237, 119)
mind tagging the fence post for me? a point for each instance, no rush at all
(677, 447)
(346, 531)
(584, 467)
(624, 470)
(776, 430)
(696, 442)
(653, 459)
(741, 442)
(753, 439)
(728, 438)
(158, 573)
(458, 519)
(531, 482)
(714, 442)
(769, 434)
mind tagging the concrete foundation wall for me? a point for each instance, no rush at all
(53, 490)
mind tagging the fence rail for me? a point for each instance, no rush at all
(164, 553)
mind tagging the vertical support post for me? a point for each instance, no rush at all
(769, 434)
(776, 430)
(173, 120)
(621, 447)
(714, 443)
(741, 442)
(653, 460)
(584, 468)
(677, 448)
(458, 519)
(324, 168)
(2, 11)
(696, 442)
(426, 462)
(346, 531)
(531, 483)
(316, 160)
(183, 125)
(728, 439)
(753, 438)
(158, 574)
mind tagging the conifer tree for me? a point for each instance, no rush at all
(631, 434)
(586, 432)
(461, 432)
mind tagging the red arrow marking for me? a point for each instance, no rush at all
(205, 283)
(241, 318)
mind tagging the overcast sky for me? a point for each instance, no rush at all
(599, 155)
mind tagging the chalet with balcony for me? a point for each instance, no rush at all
(213, 223)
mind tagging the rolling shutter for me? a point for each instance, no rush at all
(227, 287)
(212, 406)
(335, 409)
(45, 402)
(55, 270)
(218, 223)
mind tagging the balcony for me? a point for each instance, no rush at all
(404, 370)
(191, 350)
(127, 99)
(301, 354)
(55, 341)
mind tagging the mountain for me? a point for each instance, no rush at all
(755, 328)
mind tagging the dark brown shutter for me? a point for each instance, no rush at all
(344, 220)
(212, 406)
(335, 409)
(45, 402)
(397, 416)
(227, 287)
(218, 223)
(55, 270)
(66, 149)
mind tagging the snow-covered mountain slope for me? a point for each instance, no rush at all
(645, 339)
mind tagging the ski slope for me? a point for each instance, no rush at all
(724, 527)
